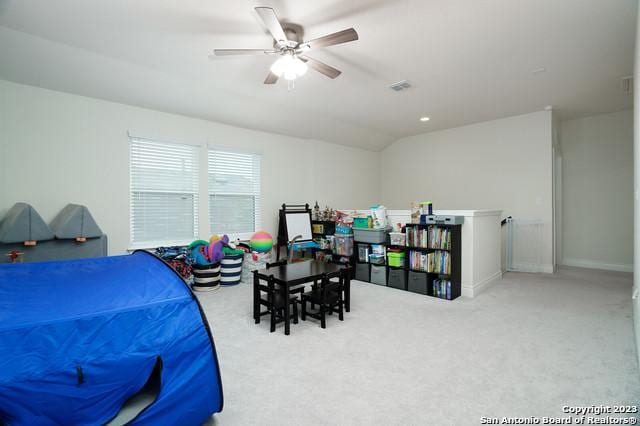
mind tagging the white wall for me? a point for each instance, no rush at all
(497, 165)
(597, 191)
(636, 186)
(62, 148)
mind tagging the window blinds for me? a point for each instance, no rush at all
(164, 192)
(234, 193)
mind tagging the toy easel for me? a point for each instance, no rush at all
(294, 220)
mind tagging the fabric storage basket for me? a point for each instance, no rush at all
(231, 269)
(206, 277)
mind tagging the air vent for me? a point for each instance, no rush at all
(626, 83)
(400, 86)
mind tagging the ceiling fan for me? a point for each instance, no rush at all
(289, 45)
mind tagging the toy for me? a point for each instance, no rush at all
(315, 214)
(261, 242)
(214, 250)
(122, 321)
(197, 243)
(15, 256)
(214, 238)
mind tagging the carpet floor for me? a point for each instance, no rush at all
(527, 346)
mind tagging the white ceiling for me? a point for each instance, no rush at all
(468, 60)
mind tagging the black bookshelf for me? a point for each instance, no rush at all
(321, 229)
(419, 281)
(454, 251)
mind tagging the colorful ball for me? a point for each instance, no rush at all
(261, 242)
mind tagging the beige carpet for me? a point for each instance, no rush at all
(526, 347)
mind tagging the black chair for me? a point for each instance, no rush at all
(273, 298)
(295, 290)
(328, 297)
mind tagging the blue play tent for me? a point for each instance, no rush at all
(80, 337)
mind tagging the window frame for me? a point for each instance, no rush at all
(257, 193)
(195, 194)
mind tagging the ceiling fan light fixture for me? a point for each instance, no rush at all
(289, 66)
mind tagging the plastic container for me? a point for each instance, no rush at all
(361, 222)
(395, 259)
(371, 235)
(441, 220)
(343, 244)
(398, 238)
(363, 253)
(376, 259)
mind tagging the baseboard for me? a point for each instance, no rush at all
(474, 290)
(532, 267)
(591, 264)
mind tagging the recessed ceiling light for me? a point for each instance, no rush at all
(538, 70)
(424, 119)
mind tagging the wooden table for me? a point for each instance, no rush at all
(295, 275)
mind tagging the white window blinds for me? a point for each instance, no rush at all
(164, 192)
(234, 193)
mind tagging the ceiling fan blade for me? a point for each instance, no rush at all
(268, 16)
(343, 36)
(321, 67)
(230, 52)
(271, 78)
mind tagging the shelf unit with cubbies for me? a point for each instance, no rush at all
(433, 265)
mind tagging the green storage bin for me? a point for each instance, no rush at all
(395, 259)
(360, 222)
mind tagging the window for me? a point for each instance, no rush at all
(164, 193)
(234, 193)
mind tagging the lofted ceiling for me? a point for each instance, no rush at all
(467, 60)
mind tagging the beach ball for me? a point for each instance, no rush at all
(261, 242)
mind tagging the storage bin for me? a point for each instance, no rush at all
(231, 268)
(398, 238)
(395, 259)
(371, 235)
(417, 282)
(343, 244)
(397, 278)
(378, 275)
(361, 222)
(363, 253)
(206, 278)
(376, 259)
(441, 220)
(362, 272)
(253, 261)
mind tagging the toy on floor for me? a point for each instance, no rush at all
(261, 242)
(80, 337)
(15, 256)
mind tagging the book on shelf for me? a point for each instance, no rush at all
(417, 237)
(439, 262)
(439, 238)
(418, 261)
(441, 289)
